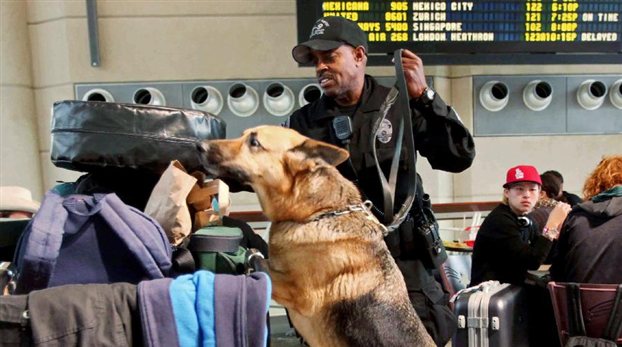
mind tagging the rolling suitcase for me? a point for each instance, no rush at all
(491, 314)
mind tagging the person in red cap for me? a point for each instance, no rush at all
(508, 243)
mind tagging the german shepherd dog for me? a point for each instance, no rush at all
(328, 261)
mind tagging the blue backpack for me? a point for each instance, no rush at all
(89, 239)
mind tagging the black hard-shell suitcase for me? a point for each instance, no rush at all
(491, 314)
(90, 135)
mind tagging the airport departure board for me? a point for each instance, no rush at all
(498, 31)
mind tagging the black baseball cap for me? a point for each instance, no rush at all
(329, 33)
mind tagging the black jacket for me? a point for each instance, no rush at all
(590, 245)
(504, 249)
(439, 135)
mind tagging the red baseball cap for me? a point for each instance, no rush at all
(522, 173)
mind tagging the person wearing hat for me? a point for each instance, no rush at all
(17, 202)
(337, 48)
(508, 243)
(16, 209)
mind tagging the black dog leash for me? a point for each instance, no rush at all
(397, 94)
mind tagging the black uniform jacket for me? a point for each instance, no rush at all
(504, 249)
(439, 135)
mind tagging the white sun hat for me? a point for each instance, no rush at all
(13, 198)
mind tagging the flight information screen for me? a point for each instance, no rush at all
(499, 31)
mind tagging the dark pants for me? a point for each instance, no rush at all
(429, 300)
(72, 315)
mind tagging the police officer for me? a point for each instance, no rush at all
(337, 47)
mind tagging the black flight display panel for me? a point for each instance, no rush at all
(481, 32)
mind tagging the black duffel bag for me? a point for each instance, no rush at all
(91, 135)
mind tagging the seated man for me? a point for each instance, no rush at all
(550, 189)
(562, 195)
(508, 243)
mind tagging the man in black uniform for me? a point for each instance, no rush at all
(337, 48)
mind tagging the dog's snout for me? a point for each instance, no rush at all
(209, 156)
(212, 153)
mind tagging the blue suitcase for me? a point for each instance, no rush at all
(491, 314)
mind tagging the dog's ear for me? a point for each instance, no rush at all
(298, 161)
(329, 153)
(311, 154)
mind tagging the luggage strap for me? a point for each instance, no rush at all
(475, 323)
(182, 261)
(213, 243)
(46, 232)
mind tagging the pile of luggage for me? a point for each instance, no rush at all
(137, 226)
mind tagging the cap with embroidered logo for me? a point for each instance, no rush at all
(522, 173)
(329, 33)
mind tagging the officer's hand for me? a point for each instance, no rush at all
(413, 73)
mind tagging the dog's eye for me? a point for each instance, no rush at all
(254, 142)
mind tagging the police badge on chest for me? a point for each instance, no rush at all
(385, 131)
